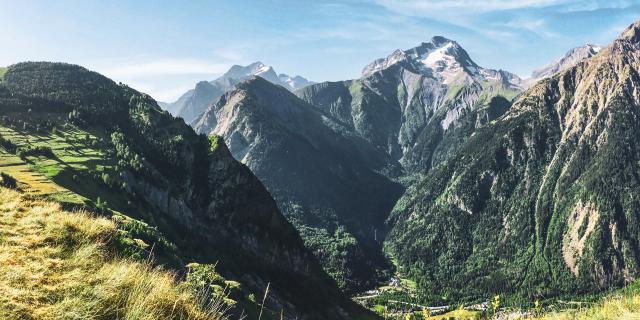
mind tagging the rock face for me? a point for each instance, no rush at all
(209, 204)
(195, 101)
(332, 185)
(541, 201)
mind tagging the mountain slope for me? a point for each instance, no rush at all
(541, 202)
(195, 101)
(151, 166)
(330, 185)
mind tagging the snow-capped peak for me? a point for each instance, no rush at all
(295, 82)
(261, 68)
(237, 74)
(440, 58)
(594, 48)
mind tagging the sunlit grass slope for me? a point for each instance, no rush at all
(624, 305)
(56, 264)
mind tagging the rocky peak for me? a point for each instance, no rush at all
(443, 59)
(631, 34)
(203, 84)
(570, 59)
(441, 53)
(295, 82)
(238, 71)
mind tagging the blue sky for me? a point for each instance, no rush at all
(164, 47)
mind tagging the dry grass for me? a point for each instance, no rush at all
(457, 314)
(59, 265)
(622, 306)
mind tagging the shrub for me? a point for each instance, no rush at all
(8, 145)
(36, 151)
(8, 181)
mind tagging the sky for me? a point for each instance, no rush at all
(164, 47)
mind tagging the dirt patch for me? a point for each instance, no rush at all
(580, 224)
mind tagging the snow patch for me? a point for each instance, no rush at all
(430, 59)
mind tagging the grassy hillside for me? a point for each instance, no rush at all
(57, 264)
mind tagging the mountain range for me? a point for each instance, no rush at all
(336, 156)
(195, 101)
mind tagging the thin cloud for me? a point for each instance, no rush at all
(536, 26)
(596, 5)
(428, 7)
(165, 67)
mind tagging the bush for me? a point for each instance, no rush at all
(8, 145)
(43, 151)
(8, 181)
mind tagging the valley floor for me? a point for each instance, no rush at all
(398, 299)
(623, 304)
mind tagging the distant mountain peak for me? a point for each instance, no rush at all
(441, 58)
(195, 101)
(570, 59)
(239, 73)
(441, 54)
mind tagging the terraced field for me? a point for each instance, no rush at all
(63, 176)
